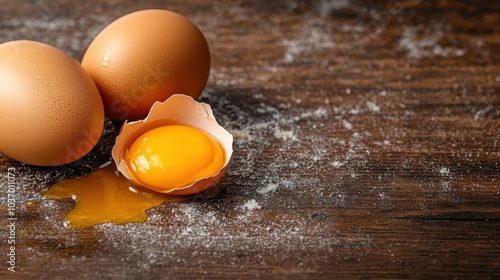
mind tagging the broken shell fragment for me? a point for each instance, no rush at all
(179, 148)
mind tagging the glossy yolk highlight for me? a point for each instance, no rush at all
(173, 156)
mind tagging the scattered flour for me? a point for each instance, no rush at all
(337, 163)
(326, 7)
(480, 113)
(372, 106)
(320, 112)
(286, 135)
(347, 124)
(420, 41)
(444, 170)
(45, 28)
(302, 144)
(314, 36)
(269, 188)
(252, 204)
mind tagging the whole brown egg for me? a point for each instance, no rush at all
(51, 112)
(147, 56)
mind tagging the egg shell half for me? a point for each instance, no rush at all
(178, 109)
(51, 112)
(144, 57)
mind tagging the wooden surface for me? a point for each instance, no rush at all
(366, 146)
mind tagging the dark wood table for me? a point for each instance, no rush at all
(367, 145)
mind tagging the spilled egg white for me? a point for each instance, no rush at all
(178, 109)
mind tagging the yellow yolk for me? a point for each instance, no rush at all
(104, 196)
(173, 156)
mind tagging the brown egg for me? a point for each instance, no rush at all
(50, 109)
(144, 57)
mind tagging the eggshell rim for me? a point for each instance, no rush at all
(196, 112)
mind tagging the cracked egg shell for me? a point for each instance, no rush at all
(177, 110)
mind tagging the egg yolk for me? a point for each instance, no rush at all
(104, 196)
(173, 156)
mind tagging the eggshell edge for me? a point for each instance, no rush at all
(184, 110)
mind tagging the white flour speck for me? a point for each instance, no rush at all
(314, 36)
(347, 124)
(444, 170)
(251, 204)
(337, 163)
(421, 41)
(372, 106)
(285, 135)
(269, 188)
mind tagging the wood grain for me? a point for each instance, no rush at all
(366, 131)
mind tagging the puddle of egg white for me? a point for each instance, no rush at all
(105, 196)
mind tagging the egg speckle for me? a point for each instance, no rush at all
(144, 57)
(51, 112)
